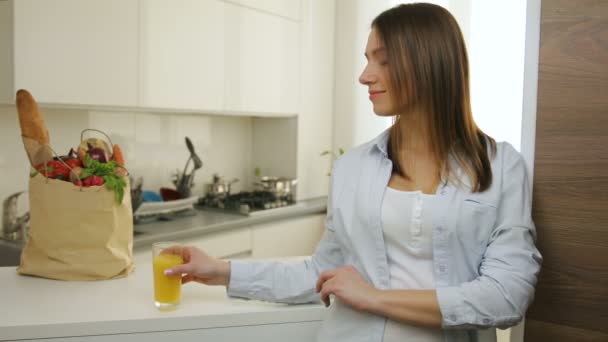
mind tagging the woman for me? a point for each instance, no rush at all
(429, 235)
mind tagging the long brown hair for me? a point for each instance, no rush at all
(429, 73)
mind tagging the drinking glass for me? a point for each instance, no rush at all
(167, 289)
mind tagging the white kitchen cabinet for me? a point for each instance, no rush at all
(234, 243)
(6, 52)
(290, 237)
(82, 52)
(285, 8)
(224, 244)
(211, 56)
(220, 57)
(262, 62)
(293, 332)
(182, 54)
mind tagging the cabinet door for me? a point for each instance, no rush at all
(293, 237)
(232, 243)
(285, 8)
(262, 62)
(235, 243)
(182, 55)
(77, 51)
(292, 332)
(6, 52)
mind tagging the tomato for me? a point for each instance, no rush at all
(97, 180)
(93, 181)
(74, 162)
(54, 169)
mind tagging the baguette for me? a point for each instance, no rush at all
(32, 124)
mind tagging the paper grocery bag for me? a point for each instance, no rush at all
(77, 233)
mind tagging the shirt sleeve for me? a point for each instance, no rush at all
(502, 292)
(287, 282)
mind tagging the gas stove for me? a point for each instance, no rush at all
(245, 202)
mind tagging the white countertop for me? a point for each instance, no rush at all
(33, 307)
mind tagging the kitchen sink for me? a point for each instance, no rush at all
(10, 254)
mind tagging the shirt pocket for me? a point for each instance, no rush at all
(475, 222)
(341, 231)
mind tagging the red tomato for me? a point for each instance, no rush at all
(75, 162)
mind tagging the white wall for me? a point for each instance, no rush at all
(354, 119)
(275, 146)
(529, 106)
(317, 96)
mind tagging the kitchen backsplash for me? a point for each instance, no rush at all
(154, 147)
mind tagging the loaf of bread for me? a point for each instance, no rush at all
(32, 124)
(33, 131)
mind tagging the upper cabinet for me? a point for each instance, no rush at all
(182, 54)
(6, 52)
(289, 9)
(76, 52)
(209, 56)
(262, 62)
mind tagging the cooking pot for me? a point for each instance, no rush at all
(219, 187)
(279, 186)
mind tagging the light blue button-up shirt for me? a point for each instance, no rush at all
(485, 260)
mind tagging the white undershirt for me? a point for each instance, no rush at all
(408, 236)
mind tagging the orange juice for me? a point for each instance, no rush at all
(167, 289)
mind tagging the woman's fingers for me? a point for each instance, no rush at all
(326, 290)
(179, 269)
(177, 250)
(186, 278)
(323, 278)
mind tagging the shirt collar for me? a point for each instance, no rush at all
(380, 143)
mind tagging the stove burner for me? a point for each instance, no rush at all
(245, 202)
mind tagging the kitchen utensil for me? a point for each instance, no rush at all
(280, 186)
(151, 196)
(137, 197)
(185, 181)
(220, 187)
(170, 194)
(13, 226)
(198, 163)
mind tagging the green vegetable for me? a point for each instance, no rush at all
(107, 171)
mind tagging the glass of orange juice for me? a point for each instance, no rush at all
(167, 289)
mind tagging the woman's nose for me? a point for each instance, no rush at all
(366, 77)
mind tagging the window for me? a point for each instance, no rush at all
(495, 34)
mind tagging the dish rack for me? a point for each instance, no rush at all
(148, 209)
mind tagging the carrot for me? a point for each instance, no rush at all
(82, 155)
(117, 155)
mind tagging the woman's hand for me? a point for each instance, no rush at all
(348, 285)
(199, 267)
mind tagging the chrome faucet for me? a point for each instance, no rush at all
(13, 227)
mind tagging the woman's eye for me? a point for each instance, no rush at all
(383, 63)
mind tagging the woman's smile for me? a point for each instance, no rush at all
(373, 94)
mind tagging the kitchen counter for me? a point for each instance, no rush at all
(35, 308)
(201, 222)
(209, 221)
